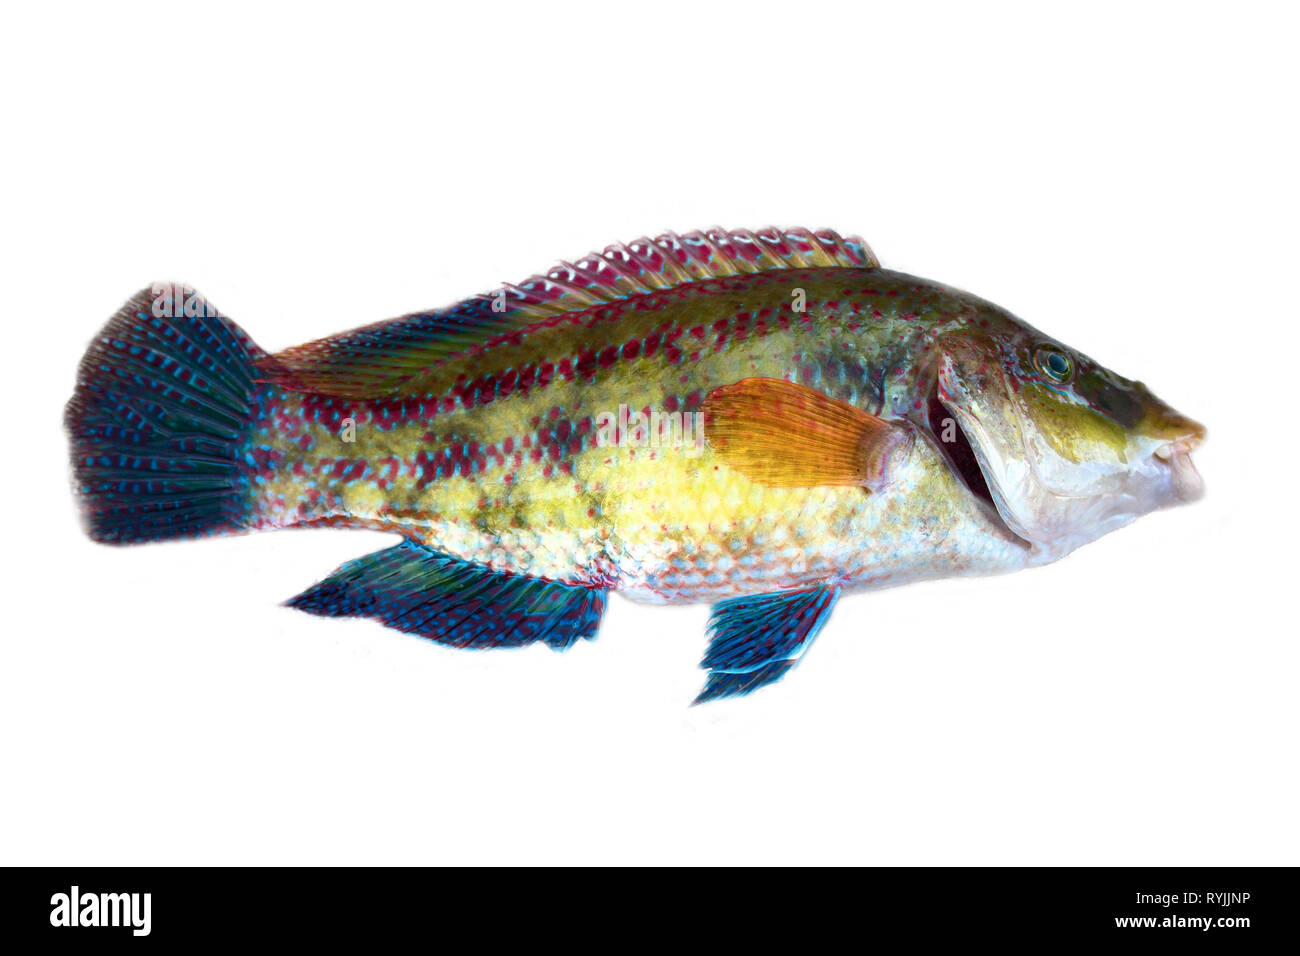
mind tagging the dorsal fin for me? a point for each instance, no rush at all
(388, 359)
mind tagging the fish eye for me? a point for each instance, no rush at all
(1054, 364)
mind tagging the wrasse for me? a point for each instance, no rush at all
(758, 420)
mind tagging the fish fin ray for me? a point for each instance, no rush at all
(161, 418)
(400, 356)
(414, 589)
(786, 435)
(755, 641)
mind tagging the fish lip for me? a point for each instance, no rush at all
(1185, 480)
(1182, 446)
(1176, 457)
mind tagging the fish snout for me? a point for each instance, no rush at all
(1182, 438)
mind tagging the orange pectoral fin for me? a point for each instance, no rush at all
(785, 435)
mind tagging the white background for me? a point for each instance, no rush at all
(1123, 177)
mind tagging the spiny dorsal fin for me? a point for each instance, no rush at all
(390, 358)
(669, 260)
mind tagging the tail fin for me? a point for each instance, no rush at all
(164, 405)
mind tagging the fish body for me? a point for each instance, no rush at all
(519, 482)
(756, 420)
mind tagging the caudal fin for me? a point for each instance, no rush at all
(164, 405)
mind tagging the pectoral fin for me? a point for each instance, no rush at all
(786, 435)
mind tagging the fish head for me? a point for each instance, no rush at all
(1068, 450)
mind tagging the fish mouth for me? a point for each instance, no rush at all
(1176, 455)
(1170, 450)
(955, 445)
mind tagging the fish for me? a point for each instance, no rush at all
(757, 420)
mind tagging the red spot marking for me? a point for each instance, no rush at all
(421, 465)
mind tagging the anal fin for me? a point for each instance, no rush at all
(458, 603)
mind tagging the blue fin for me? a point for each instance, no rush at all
(458, 603)
(754, 641)
(165, 402)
